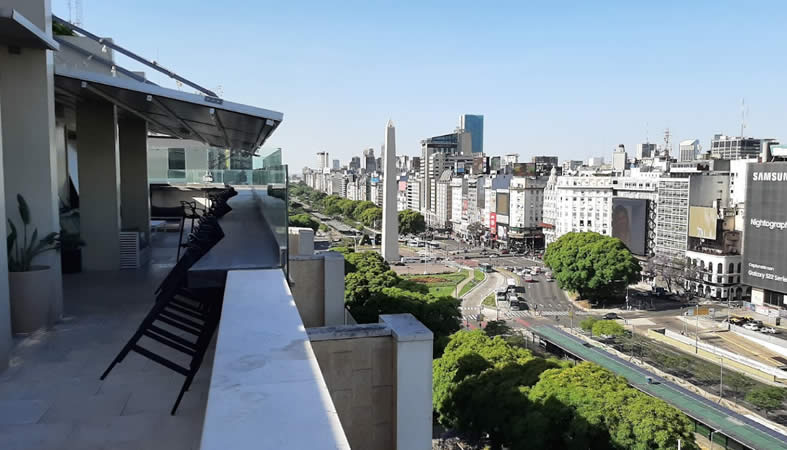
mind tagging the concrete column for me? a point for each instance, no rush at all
(5, 308)
(99, 178)
(28, 110)
(334, 289)
(413, 381)
(134, 187)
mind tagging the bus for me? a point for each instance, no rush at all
(486, 267)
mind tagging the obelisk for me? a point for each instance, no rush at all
(390, 215)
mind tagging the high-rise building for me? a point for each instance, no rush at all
(619, 159)
(689, 150)
(495, 164)
(368, 161)
(474, 124)
(355, 163)
(432, 168)
(646, 150)
(336, 164)
(728, 147)
(415, 163)
(511, 159)
(322, 160)
(672, 218)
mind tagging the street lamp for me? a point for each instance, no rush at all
(711, 437)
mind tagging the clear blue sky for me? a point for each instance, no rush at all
(572, 79)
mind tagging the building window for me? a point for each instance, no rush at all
(732, 268)
(739, 267)
(176, 163)
(720, 268)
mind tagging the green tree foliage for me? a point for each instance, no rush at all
(411, 222)
(767, 398)
(305, 221)
(587, 324)
(372, 288)
(608, 328)
(497, 328)
(605, 412)
(360, 207)
(346, 206)
(372, 217)
(591, 264)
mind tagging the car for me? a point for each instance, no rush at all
(611, 316)
(751, 326)
(493, 255)
(465, 257)
(528, 278)
(768, 330)
(504, 252)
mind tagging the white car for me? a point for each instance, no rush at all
(751, 326)
(769, 330)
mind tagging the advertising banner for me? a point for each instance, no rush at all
(765, 232)
(629, 222)
(702, 222)
(493, 222)
(502, 203)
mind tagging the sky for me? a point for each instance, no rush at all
(571, 79)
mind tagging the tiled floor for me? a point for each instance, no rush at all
(51, 396)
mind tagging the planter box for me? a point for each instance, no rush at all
(31, 297)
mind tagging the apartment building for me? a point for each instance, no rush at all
(578, 203)
(526, 211)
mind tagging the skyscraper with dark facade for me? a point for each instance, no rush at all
(474, 124)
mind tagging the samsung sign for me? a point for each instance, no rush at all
(765, 232)
(768, 176)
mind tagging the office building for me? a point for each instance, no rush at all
(689, 150)
(619, 160)
(646, 150)
(728, 147)
(322, 160)
(336, 164)
(355, 163)
(511, 159)
(474, 124)
(368, 161)
(672, 218)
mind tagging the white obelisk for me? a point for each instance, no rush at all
(390, 215)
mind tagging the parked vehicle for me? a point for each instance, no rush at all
(504, 252)
(751, 326)
(738, 320)
(548, 276)
(768, 330)
(528, 278)
(611, 316)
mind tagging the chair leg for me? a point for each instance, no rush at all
(180, 237)
(183, 390)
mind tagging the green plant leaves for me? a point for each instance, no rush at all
(24, 210)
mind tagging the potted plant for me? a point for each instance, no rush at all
(29, 285)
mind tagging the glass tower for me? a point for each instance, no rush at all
(474, 124)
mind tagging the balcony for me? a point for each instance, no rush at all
(283, 360)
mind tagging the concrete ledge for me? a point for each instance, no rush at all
(266, 388)
(348, 332)
(406, 328)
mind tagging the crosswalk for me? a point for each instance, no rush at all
(470, 317)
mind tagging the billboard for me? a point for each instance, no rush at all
(765, 230)
(480, 165)
(702, 222)
(502, 203)
(493, 222)
(629, 222)
(524, 170)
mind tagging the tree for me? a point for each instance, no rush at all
(497, 328)
(591, 264)
(411, 222)
(372, 288)
(305, 221)
(371, 216)
(475, 230)
(673, 272)
(480, 387)
(608, 328)
(587, 324)
(767, 398)
(606, 413)
(360, 207)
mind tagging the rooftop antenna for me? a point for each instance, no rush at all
(743, 116)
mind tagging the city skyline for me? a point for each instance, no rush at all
(602, 80)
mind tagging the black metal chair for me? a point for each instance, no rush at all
(194, 314)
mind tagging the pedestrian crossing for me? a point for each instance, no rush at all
(470, 317)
